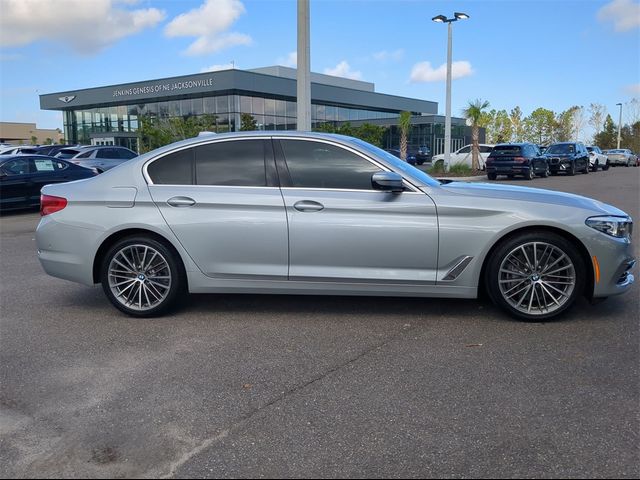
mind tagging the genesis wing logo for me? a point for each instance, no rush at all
(67, 98)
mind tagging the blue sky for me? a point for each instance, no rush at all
(547, 53)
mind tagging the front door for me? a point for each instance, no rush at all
(223, 209)
(342, 230)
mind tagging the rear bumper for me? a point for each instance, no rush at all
(509, 169)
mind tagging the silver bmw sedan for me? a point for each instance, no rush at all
(307, 213)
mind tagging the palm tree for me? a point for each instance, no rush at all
(404, 123)
(474, 112)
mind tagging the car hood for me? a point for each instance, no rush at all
(533, 195)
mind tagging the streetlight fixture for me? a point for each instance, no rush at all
(447, 121)
(619, 124)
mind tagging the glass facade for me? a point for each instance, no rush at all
(119, 124)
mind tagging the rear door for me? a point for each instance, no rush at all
(15, 177)
(222, 201)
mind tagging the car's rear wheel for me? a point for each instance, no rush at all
(586, 168)
(606, 166)
(546, 172)
(595, 166)
(535, 275)
(530, 174)
(142, 277)
(492, 176)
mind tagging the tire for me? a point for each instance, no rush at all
(595, 166)
(546, 172)
(492, 176)
(146, 291)
(606, 166)
(530, 175)
(572, 170)
(586, 169)
(510, 176)
(627, 164)
(530, 293)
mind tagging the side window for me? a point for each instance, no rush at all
(19, 166)
(466, 149)
(173, 169)
(44, 165)
(107, 153)
(85, 155)
(238, 163)
(126, 154)
(321, 165)
(485, 149)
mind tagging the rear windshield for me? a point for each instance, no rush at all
(562, 148)
(502, 150)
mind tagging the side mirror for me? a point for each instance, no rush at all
(387, 181)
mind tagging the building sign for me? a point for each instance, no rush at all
(67, 98)
(163, 87)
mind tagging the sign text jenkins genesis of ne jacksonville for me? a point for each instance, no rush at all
(163, 87)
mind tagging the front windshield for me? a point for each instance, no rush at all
(398, 165)
(562, 148)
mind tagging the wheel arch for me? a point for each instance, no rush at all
(128, 232)
(582, 250)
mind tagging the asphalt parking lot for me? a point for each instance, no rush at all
(284, 386)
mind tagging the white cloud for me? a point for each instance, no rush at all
(384, 55)
(217, 68)
(625, 14)
(424, 72)
(343, 70)
(633, 89)
(86, 26)
(291, 60)
(209, 23)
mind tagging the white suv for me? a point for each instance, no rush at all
(463, 155)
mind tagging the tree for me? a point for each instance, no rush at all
(596, 116)
(248, 122)
(34, 140)
(48, 141)
(516, 124)
(563, 128)
(539, 126)
(372, 134)
(608, 137)
(474, 112)
(154, 133)
(632, 111)
(501, 128)
(404, 124)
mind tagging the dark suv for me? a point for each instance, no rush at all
(567, 157)
(513, 159)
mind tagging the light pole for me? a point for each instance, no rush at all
(303, 73)
(447, 120)
(619, 124)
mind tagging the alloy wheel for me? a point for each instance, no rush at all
(537, 278)
(139, 277)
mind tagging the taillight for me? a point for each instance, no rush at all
(50, 204)
(519, 159)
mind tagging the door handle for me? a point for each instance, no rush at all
(308, 206)
(181, 202)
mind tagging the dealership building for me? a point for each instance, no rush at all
(111, 115)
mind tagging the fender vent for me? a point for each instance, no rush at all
(457, 269)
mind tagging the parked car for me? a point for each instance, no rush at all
(543, 148)
(22, 177)
(597, 159)
(411, 158)
(51, 150)
(567, 157)
(311, 213)
(463, 155)
(101, 157)
(513, 159)
(423, 154)
(622, 156)
(19, 150)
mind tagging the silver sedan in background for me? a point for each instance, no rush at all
(621, 157)
(306, 213)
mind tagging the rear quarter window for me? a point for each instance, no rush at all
(173, 169)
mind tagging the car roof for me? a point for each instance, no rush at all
(30, 155)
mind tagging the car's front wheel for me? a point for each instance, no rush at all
(492, 176)
(142, 277)
(535, 275)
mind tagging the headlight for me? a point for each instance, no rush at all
(619, 227)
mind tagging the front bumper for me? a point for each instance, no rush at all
(613, 263)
